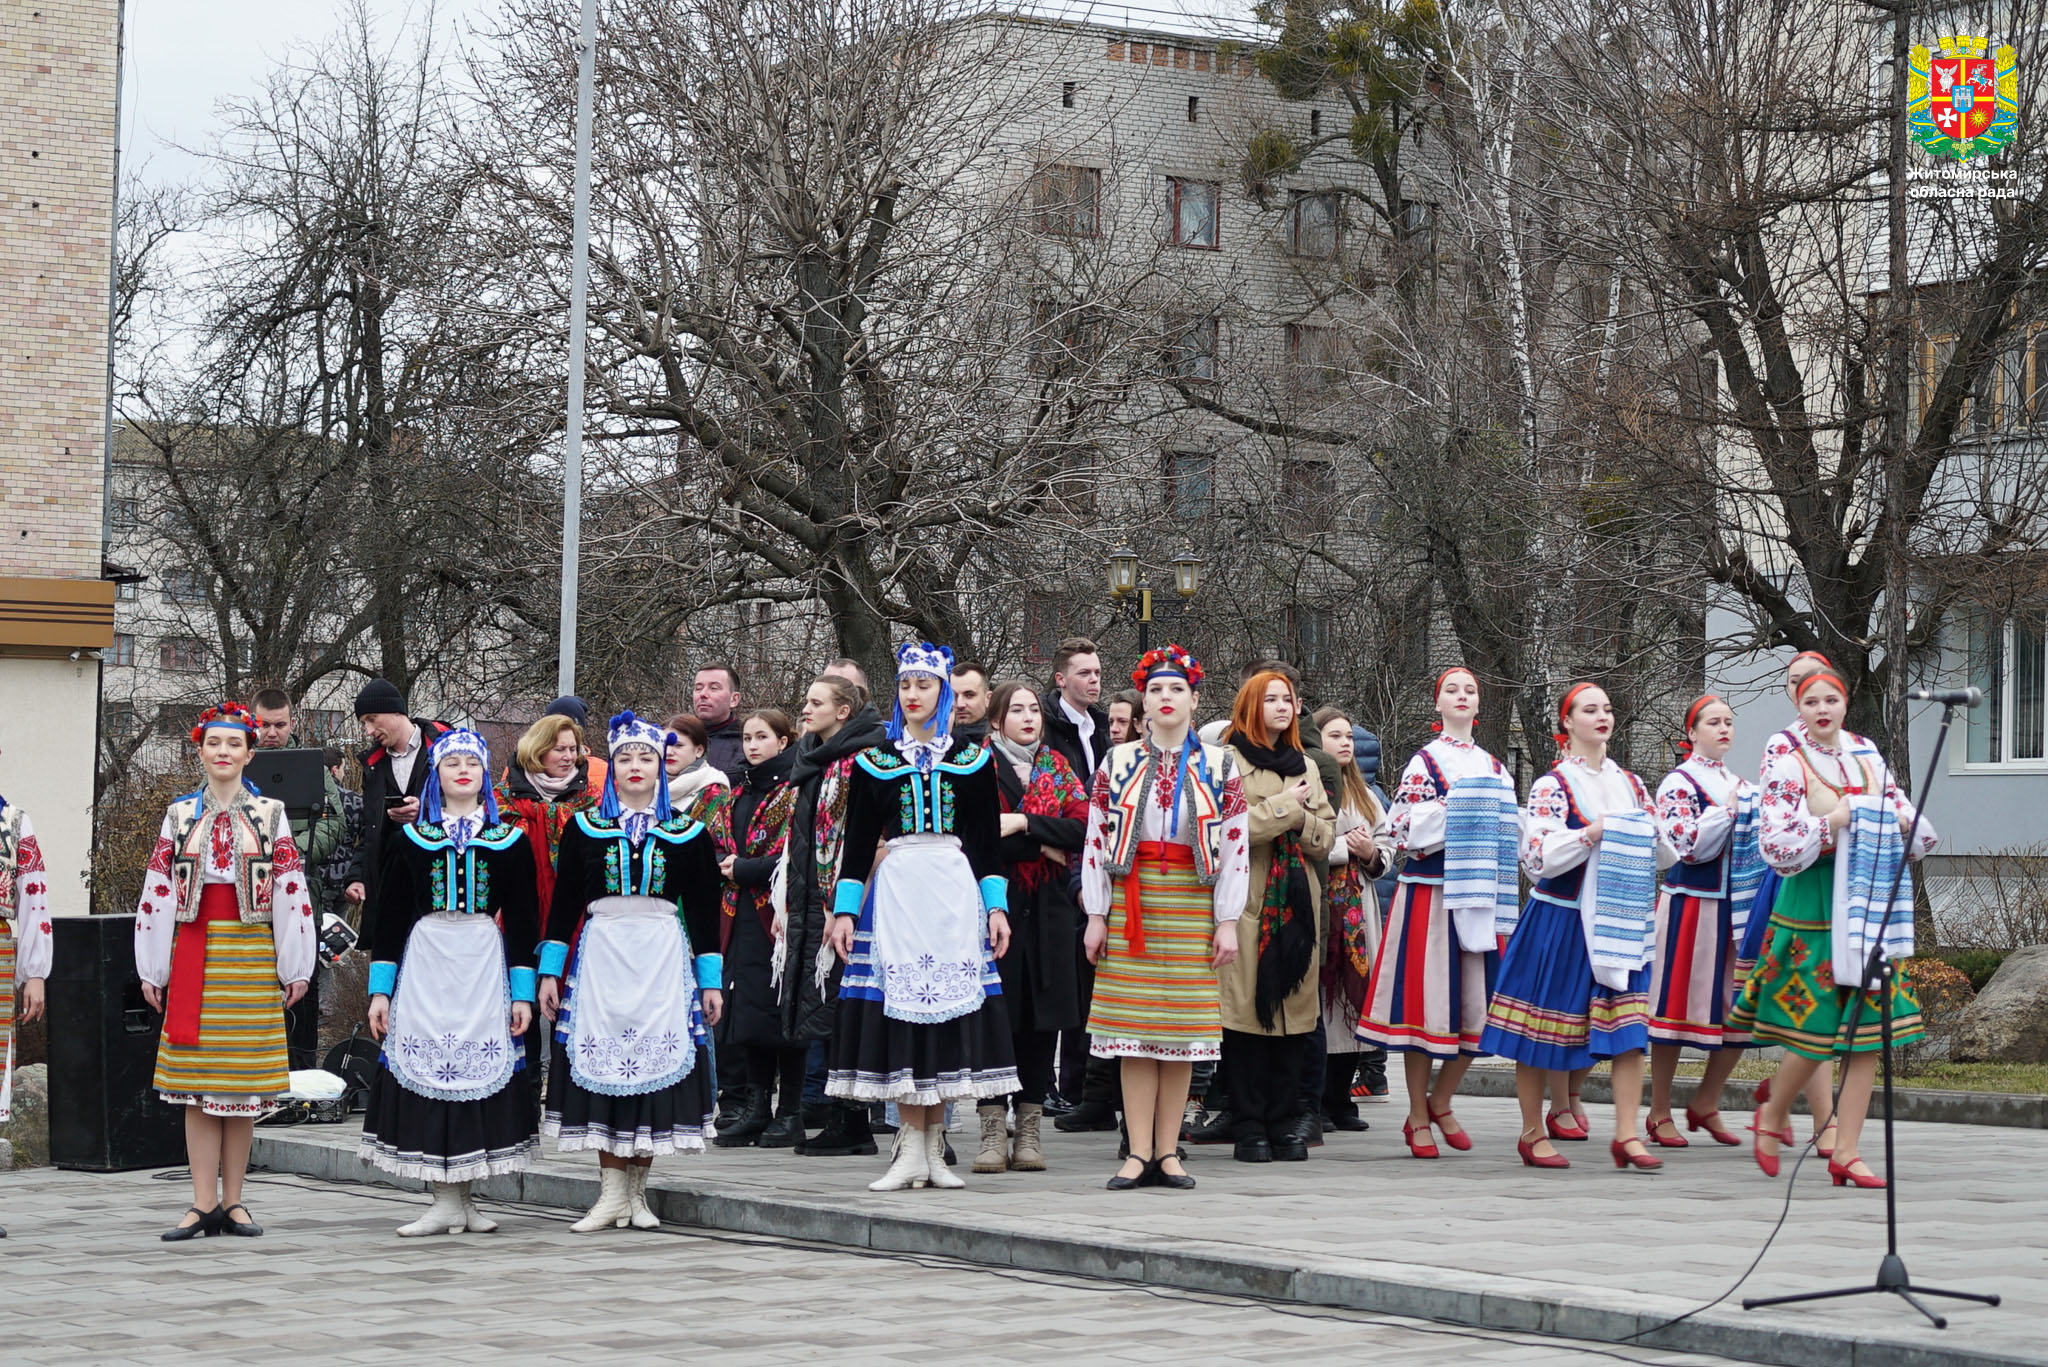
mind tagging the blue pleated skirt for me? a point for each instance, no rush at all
(1547, 1010)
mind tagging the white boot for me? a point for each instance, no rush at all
(474, 1220)
(936, 1171)
(907, 1160)
(636, 1197)
(612, 1208)
(443, 1217)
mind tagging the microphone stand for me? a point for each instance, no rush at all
(1892, 1276)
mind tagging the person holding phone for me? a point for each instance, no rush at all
(394, 776)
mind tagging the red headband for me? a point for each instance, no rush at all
(1825, 662)
(1564, 709)
(1812, 679)
(1692, 717)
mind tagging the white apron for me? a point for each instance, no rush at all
(634, 995)
(928, 930)
(451, 1034)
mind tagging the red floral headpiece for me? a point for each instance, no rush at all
(1168, 659)
(227, 714)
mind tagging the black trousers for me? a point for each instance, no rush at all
(1264, 1074)
(302, 1026)
(1035, 1050)
(1074, 1059)
(782, 1069)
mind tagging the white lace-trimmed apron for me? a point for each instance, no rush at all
(634, 996)
(451, 1033)
(927, 930)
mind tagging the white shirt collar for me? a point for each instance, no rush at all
(1083, 720)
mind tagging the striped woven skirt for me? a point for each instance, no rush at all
(1428, 994)
(238, 1065)
(1692, 978)
(1790, 997)
(1161, 1001)
(1548, 1011)
(6, 1016)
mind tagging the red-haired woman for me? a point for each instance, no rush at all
(1434, 973)
(1163, 879)
(1575, 976)
(225, 917)
(1708, 815)
(1833, 822)
(1270, 1002)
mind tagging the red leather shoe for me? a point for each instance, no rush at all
(1559, 1130)
(1461, 1141)
(1824, 1150)
(1654, 1133)
(1641, 1161)
(1533, 1159)
(1845, 1175)
(1425, 1149)
(1768, 1161)
(1696, 1121)
(1763, 1093)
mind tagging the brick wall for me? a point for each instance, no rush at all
(58, 66)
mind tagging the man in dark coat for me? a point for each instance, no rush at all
(394, 775)
(715, 698)
(1078, 728)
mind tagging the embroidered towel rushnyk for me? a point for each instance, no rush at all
(1481, 831)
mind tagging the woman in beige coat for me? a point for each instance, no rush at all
(1270, 994)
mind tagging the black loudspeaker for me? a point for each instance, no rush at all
(104, 1115)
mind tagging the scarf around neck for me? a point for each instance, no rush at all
(1282, 760)
(1017, 754)
(547, 785)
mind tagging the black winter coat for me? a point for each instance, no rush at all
(808, 1010)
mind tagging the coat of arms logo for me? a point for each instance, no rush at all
(1962, 104)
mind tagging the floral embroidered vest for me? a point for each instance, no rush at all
(1131, 769)
(252, 819)
(457, 882)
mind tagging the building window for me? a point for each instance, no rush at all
(1315, 123)
(1190, 484)
(119, 720)
(1067, 338)
(123, 652)
(1191, 350)
(1418, 225)
(1308, 630)
(245, 656)
(1311, 358)
(183, 654)
(1045, 625)
(311, 651)
(1191, 211)
(184, 586)
(325, 723)
(125, 591)
(1312, 225)
(125, 514)
(1066, 201)
(1308, 494)
(174, 723)
(2009, 661)
(754, 628)
(1070, 473)
(1067, 89)
(1194, 108)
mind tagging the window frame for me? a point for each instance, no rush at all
(2001, 696)
(1175, 225)
(1062, 218)
(1294, 216)
(1177, 481)
(1180, 329)
(121, 654)
(1311, 510)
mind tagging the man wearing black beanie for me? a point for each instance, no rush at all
(394, 776)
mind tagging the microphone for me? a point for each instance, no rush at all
(1949, 697)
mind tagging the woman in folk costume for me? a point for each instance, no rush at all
(1820, 1088)
(750, 830)
(24, 936)
(1708, 815)
(1163, 879)
(636, 893)
(838, 724)
(1360, 854)
(1834, 824)
(1455, 815)
(450, 993)
(1045, 817)
(225, 917)
(1575, 976)
(921, 1009)
(1271, 992)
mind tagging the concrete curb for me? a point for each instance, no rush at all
(924, 1227)
(1922, 1104)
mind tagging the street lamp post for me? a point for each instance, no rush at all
(1132, 594)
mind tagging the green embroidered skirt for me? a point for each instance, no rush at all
(1791, 998)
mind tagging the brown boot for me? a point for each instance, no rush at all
(1028, 1155)
(994, 1155)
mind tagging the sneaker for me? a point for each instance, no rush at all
(1057, 1105)
(1220, 1128)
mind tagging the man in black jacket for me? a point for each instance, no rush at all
(394, 776)
(970, 701)
(715, 698)
(1078, 728)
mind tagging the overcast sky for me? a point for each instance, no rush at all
(184, 56)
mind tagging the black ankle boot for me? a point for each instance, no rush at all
(753, 1118)
(783, 1132)
(846, 1134)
